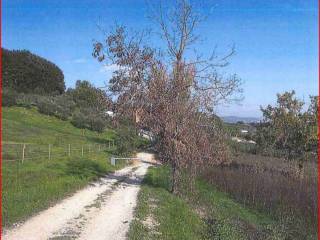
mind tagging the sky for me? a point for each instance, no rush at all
(276, 41)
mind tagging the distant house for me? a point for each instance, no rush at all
(109, 113)
(236, 139)
(252, 142)
(244, 131)
(241, 140)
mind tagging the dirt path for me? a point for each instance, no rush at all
(101, 211)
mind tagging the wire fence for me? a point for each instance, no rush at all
(22, 152)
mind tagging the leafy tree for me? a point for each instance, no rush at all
(285, 127)
(28, 73)
(85, 95)
(90, 119)
(310, 118)
(173, 95)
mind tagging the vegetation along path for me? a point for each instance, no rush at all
(102, 210)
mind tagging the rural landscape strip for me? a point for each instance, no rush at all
(160, 84)
(103, 209)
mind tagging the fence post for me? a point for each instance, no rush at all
(23, 152)
(99, 148)
(69, 150)
(113, 161)
(89, 148)
(82, 151)
(49, 152)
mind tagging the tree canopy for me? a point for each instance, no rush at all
(85, 95)
(26, 72)
(170, 93)
(286, 127)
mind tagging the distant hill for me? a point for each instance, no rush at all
(235, 119)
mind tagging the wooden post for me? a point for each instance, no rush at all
(89, 148)
(69, 150)
(99, 148)
(82, 151)
(23, 152)
(49, 152)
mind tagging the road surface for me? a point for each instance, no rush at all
(101, 211)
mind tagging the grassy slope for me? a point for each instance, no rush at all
(209, 215)
(34, 185)
(173, 218)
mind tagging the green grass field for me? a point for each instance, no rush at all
(39, 182)
(206, 214)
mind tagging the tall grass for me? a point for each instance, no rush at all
(275, 186)
(206, 213)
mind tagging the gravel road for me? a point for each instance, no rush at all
(101, 211)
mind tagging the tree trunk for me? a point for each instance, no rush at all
(174, 186)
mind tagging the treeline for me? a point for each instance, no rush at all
(28, 73)
(288, 129)
(32, 81)
(85, 106)
(281, 178)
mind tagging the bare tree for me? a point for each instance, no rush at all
(174, 97)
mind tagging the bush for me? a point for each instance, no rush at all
(47, 106)
(60, 106)
(243, 147)
(79, 120)
(62, 113)
(28, 100)
(97, 123)
(9, 97)
(65, 106)
(126, 139)
(88, 118)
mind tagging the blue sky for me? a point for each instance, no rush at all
(276, 41)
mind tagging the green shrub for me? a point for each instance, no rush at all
(97, 123)
(90, 119)
(59, 106)
(79, 120)
(65, 106)
(126, 139)
(28, 100)
(47, 106)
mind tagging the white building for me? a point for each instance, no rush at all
(109, 113)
